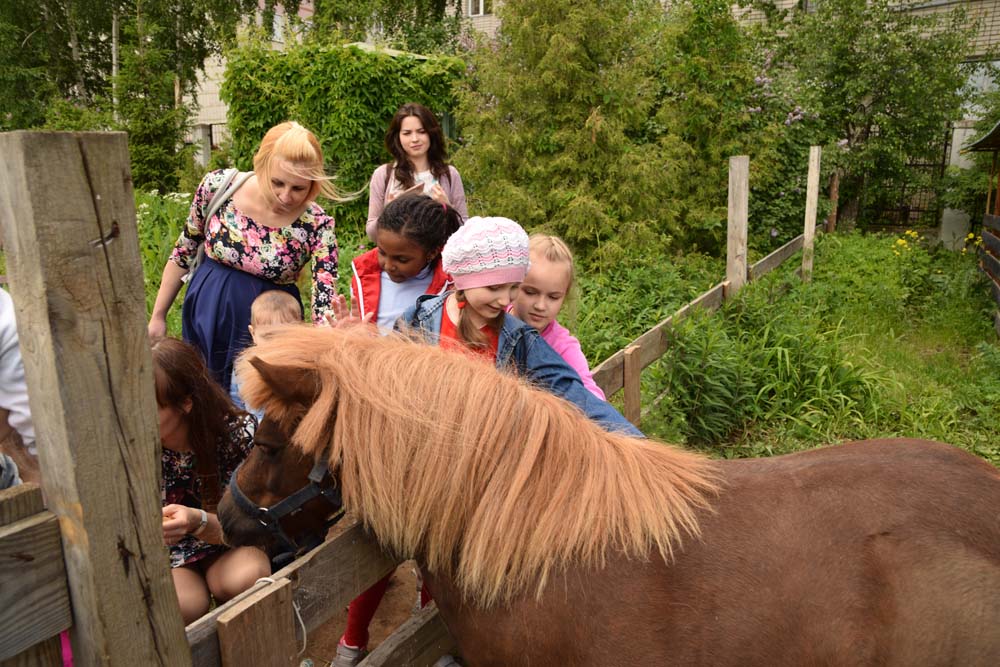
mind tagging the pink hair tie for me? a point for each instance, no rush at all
(444, 206)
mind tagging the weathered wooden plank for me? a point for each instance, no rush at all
(736, 236)
(324, 581)
(777, 258)
(812, 197)
(992, 222)
(76, 279)
(991, 242)
(47, 653)
(34, 600)
(260, 628)
(994, 287)
(20, 502)
(990, 264)
(610, 373)
(633, 385)
(418, 642)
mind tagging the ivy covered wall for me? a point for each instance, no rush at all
(345, 94)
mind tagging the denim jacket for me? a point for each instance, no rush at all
(522, 348)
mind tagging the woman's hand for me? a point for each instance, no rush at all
(439, 195)
(178, 521)
(157, 327)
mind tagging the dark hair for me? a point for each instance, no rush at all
(180, 374)
(423, 220)
(437, 154)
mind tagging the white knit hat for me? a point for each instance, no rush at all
(486, 251)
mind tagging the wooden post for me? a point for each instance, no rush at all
(989, 187)
(68, 218)
(633, 384)
(812, 197)
(736, 240)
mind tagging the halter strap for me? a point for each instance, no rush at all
(270, 517)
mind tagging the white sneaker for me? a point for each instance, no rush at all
(348, 656)
(447, 660)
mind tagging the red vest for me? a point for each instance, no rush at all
(367, 283)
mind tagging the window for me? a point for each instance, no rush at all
(480, 7)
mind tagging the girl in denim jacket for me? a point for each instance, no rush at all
(488, 258)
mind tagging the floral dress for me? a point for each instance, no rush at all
(181, 485)
(277, 254)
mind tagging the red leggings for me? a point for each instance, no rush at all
(362, 610)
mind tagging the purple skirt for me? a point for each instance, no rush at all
(216, 314)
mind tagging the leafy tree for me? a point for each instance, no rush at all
(884, 83)
(610, 124)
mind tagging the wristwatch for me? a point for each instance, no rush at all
(202, 523)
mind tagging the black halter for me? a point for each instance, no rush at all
(270, 517)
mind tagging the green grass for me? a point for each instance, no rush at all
(885, 341)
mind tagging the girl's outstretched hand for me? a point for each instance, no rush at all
(341, 315)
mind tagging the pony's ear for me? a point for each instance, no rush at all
(293, 385)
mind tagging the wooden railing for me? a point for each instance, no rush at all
(78, 294)
(622, 370)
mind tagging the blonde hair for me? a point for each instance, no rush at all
(499, 498)
(275, 306)
(553, 249)
(299, 147)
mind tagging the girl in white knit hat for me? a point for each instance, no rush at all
(487, 259)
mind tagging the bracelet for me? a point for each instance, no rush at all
(201, 526)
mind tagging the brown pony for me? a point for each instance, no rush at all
(547, 541)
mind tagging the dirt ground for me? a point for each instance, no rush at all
(396, 607)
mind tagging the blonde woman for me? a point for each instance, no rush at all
(260, 238)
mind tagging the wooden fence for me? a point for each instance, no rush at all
(989, 261)
(93, 561)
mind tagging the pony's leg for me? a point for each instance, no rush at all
(360, 614)
(236, 570)
(192, 593)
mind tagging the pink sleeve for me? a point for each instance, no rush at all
(568, 347)
(376, 198)
(456, 193)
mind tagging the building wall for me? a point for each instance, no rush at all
(209, 119)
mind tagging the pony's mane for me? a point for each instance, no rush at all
(491, 481)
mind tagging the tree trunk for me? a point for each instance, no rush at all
(74, 47)
(114, 62)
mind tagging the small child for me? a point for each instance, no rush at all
(541, 296)
(488, 259)
(406, 262)
(269, 308)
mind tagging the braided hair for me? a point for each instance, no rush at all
(420, 219)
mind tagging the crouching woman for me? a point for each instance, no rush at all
(204, 438)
